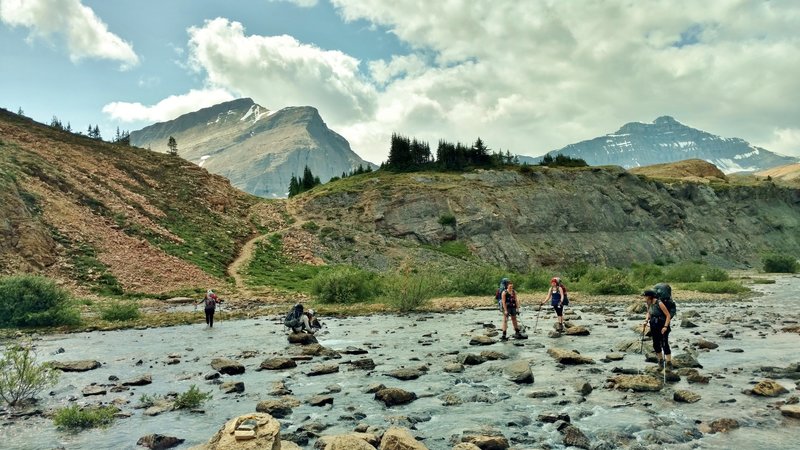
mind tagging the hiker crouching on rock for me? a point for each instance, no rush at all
(658, 318)
(556, 295)
(310, 322)
(511, 306)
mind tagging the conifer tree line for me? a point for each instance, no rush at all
(407, 154)
(298, 185)
(122, 137)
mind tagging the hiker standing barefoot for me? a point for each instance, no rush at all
(556, 297)
(510, 309)
(658, 317)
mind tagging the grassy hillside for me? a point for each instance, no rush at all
(114, 218)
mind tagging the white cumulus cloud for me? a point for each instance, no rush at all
(167, 109)
(279, 71)
(300, 3)
(86, 36)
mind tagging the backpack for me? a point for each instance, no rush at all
(210, 301)
(294, 318)
(565, 300)
(498, 295)
(664, 294)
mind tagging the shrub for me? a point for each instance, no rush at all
(716, 287)
(606, 281)
(20, 377)
(32, 301)
(646, 274)
(411, 288)
(120, 312)
(310, 226)
(534, 281)
(715, 274)
(192, 398)
(447, 220)
(685, 273)
(776, 263)
(75, 418)
(481, 281)
(344, 284)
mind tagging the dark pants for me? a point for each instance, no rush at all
(210, 316)
(559, 310)
(660, 340)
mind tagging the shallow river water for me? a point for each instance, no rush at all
(486, 401)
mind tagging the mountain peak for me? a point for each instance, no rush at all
(666, 120)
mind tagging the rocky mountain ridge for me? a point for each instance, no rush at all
(666, 140)
(257, 149)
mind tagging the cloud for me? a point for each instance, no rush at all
(167, 109)
(279, 71)
(785, 141)
(535, 76)
(86, 35)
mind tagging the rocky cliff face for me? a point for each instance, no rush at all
(552, 217)
(257, 149)
(667, 140)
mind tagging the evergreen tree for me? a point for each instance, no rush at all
(308, 179)
(55, 123)
(97, 133)
(294, 186)
(173, 146)
(20, 112)
(69, 127)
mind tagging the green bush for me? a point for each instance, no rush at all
(310, 226)
(481, 281)
(605, 281)
(21, 377)
(75, 418)
(32, 301)
(534, 281)
(120, 311)
(715, 274)
(344, 284)
(716, 287)
(447, 220)
(776, 263)
(685, 273)
(192, 398)
(411, 288)
(646, 274)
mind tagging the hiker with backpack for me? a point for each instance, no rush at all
(511, 305)
(659, 317)
(299, 320)
(210, 301)
(557, 295)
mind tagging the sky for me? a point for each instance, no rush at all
(525, 76)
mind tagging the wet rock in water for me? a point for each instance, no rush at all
(396, 438)
(735, 350)
(93, 390)
(636, 308)
(583, 387)
(139, 381)
(704, 344)
(362, 364)
(160, 406)
(694, 376)
(615, 356)
(350, 441)
(542, 394)
(626, 371)
(481, 339)
(289, 445)
(491, 355)
(465, 446)
(685, 360)
(768, 388)
(405, 374)
(373, 388)
(686, 323)
(333, 388)
(320, 350)
(302, 338)
(353, 351)
(487, 442)
(565, 356)
(232, 387)
(723, 425)
(277, 408)
(322, 369)
(320, 400)
(519, 372)
(668, 375)
(279, 389)
(471, 359)
(227, 366)
(684, 396)
(211, 376)
(554, 334)
(75, 366)
(453, 368)
(792, 411)
(574, 437)
(395, 396)
(247, 432)
(554, 417)
(277, 364)
(577, 330)
(159, 441)
(638, 383)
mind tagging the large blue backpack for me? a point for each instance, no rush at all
(294, 318)
(498, 295)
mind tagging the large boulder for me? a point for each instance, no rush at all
(75, 366)
(302, 338)
(395, 396)
(519, 372)
(238, 434)
(227, 366)
(638, 383)
(322, 369)
(159, 441)
(350, 441)
(277, 364)
(768, 388)
(792, 411)
(277, 408)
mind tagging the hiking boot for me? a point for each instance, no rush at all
(519, 335)
(669, 365)
(503, 338)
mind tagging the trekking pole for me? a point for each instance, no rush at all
(536, 323)
(641, 341)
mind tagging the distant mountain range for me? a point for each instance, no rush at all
(666, 140)
(256, 149)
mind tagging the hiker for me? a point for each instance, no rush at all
(556, 296)
(210, 301)
(511, 306)
(658, 317)
(310, 323)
